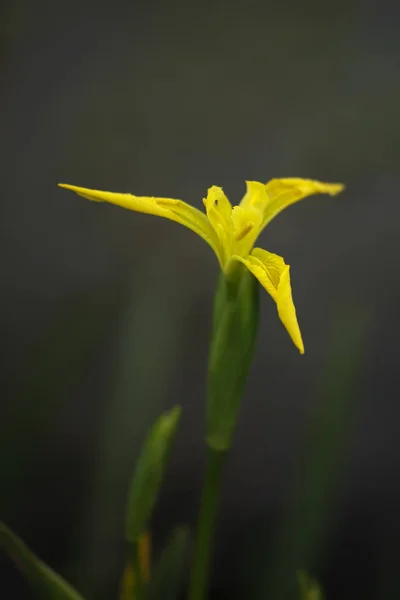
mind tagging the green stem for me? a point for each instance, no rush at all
(205, 528)
(134, 561)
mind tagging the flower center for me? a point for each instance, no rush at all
(246, 229)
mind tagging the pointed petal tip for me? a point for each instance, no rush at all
(215, 188)
(94, 195)
(335, 188)
(68, 186)
(297, 341)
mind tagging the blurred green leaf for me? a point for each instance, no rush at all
(167, 576)
(44, 580)
(323, 459)
(309, 588)
(48, 372)
(149, 473)
(150, 334)
(137, 570)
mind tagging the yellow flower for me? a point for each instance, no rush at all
(232, 231)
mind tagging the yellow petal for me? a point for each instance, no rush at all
(247, 218)
(217, 199)
(219, 211)
(175, 210)
(284, 192)
(274, 275)
(255, 196)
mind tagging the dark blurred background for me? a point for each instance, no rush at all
(105, 314)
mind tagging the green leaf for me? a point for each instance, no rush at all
(321, 459)
(233, 339)
(166, 580)
(149, 473)
(44, 580)
(137, 570)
